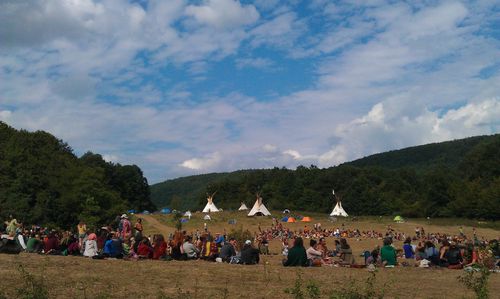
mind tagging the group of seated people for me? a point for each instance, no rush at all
(182, 247)
(437, 250)
(451, 254)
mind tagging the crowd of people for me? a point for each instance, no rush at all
(125, 240)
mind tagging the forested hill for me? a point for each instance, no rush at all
(43, 182)
(455, 178)
(448, 153)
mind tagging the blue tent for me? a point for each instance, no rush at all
(184, 220)
(284, 219)
(146, 212)
(166, 211)
(131, 211)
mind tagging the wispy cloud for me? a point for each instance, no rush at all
(168, 85)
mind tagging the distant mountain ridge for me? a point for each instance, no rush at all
(451, 178)
(448, 153)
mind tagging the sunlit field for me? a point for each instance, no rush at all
(78, 277)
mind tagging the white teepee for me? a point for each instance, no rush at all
(259, 209)
(338, 210)
(243, 207)
(210, 207)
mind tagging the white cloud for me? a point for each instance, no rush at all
(102, 75)
(259, 63)
(204, 164)
(383, 129)
(110, 158)
(5, 115)
(293, 153)
(223, 13)
(270, 148)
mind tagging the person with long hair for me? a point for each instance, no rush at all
(297, 256)
(176, 246)
(345, 253)
(159, 247)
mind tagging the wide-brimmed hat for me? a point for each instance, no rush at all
(124, 216)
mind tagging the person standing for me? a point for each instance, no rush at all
(126, 227)
(82, 232)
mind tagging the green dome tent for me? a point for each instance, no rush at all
(399, 219)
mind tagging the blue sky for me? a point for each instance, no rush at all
(187, 87)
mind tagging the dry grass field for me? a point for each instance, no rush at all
(78, 277)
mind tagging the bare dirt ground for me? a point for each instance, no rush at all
(78, 277)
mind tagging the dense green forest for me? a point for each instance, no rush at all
(458, 178)
(43, 182)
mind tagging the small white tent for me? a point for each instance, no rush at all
(259, 209)
(210, 207)
(243, 207)
(338, 210)
(188, 214)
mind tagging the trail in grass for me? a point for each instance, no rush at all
(152, 221)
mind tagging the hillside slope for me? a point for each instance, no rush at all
(453, 178)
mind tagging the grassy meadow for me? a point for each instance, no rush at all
(78, 277)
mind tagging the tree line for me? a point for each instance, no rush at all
(452, 179)
(43, 182)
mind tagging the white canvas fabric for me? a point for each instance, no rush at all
(210, 207)
(338, 210)
(243, 207)
(259, 208)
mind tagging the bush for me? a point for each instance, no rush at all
(240, 235)
(354, 290)
(33, 287)
(477, 281)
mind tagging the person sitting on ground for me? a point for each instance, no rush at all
(189, 249)
(313, 254)
(145, 250)
(323, 248)
(90, 246)
(228, 250)
(454, 256)
(445, 245)
(159, 247)
(408, 249)
(34, 244)
(431, 253)
(113, 247)
(176, 246)
(249, 254)
(73, 245)
(51, 244)
(209, 250)
(345, 254)
(297, 256)
(420, 254)
(388, 253)
(374, 258)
